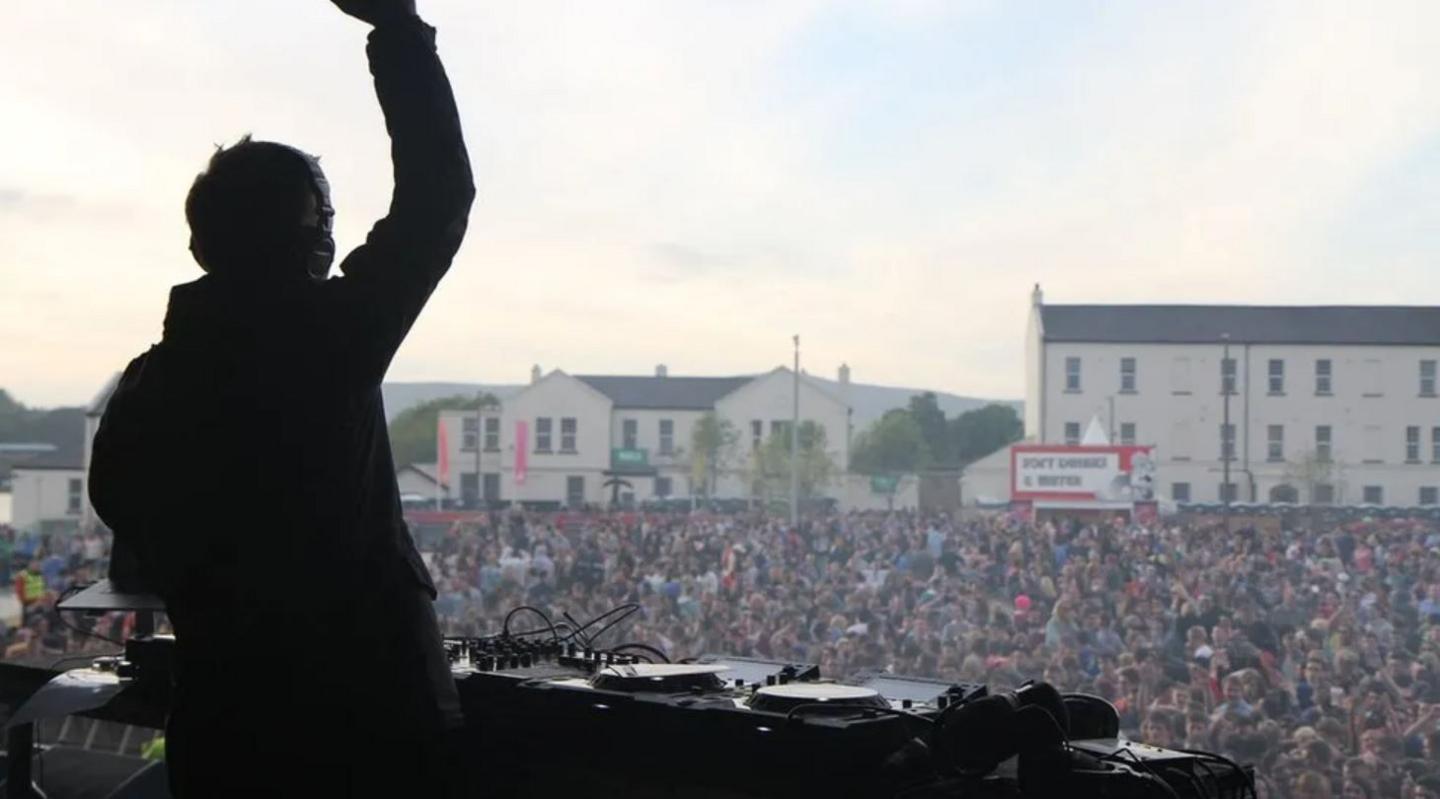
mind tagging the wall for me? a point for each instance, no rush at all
(42, 495)
(557, 395)
(771, 398)
(1183, 418)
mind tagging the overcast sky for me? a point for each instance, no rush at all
(690, 183)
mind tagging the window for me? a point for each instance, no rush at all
(1323, 494)
(1180, 492)
(76, 491)
(1427, 378)
(1227, 375)
(1072, 374)
(1181, 441)
(1180, 376)
(469, 488)
(542, 434)
(1412, 444)
(1227, 492)
(1371, 377)
(1127, 434)
(1427, 495)
(1072, 433)
(1127, 375)
(567, 434)
(1322, 442)
(492, 487)
(1322, 377)
(1227, 442)
(1371, 443)
(1435, 445)
(575, 492)
(492, 434)
(1374, 495)
(757, 433)
(1275, 442)
(667, 436)
(662, 487)
(630, 434)
(470, 433)
(1277, 376)
(780, 428)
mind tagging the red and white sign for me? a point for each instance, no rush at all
(522, 450)
(1053, 472)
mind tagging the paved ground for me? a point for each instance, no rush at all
(9, 605)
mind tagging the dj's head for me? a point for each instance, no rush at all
(261, 210)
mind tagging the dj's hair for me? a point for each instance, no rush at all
(245, 208)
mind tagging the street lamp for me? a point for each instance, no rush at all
(1227, 438)
(795, 444)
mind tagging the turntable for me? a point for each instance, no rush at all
(787, 697)
(660, 678)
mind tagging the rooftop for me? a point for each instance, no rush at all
(1245, 324)
(664, 393)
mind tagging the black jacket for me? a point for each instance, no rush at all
(245, 458)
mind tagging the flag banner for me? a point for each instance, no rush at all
(522, 449)
(442, 454)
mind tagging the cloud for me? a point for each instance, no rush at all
(694, 182)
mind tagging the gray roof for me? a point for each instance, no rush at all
(1255, 324)
(68, 457)
(667, 393)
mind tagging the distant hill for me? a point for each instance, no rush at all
(869, 401)
(63, 428)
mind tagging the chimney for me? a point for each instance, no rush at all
(535, 374)
(1037, 297)
(844, 374)
(661, 370)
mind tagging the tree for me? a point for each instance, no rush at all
(975, 434)
(925, 410)
(412, 432)
(771, 463)
(712, 445)
(893, 444)
(1311, 469)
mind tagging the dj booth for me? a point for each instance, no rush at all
(550, 712)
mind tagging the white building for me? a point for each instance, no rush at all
(49, 493)
(1320, 405)
(589, 438)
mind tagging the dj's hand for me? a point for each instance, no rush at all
(376, 12)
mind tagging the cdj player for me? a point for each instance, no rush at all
(551, 717)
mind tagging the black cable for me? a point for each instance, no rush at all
(624, 611)
(550, 625)
(576, 631)
(1249, 779)
(60, 614)
(641, 647)
(1148, 772)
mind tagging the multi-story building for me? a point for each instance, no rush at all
(1316, 405)
(593, 438)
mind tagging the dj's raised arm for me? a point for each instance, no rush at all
(388, 279)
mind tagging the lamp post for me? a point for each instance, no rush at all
(1227, 438)
(795, 444)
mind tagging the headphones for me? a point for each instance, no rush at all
(320, 246)
(314, 245)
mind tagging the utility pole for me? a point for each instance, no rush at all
(1227, 439)
(795, 444)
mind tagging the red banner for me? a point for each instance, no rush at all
(442, 454)
(522, 450)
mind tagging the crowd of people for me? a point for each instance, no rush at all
(1311, 651)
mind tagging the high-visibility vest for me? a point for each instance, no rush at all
(34, 587)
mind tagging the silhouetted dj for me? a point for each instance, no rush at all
(244, 461)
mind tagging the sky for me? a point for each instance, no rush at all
(693, 182)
